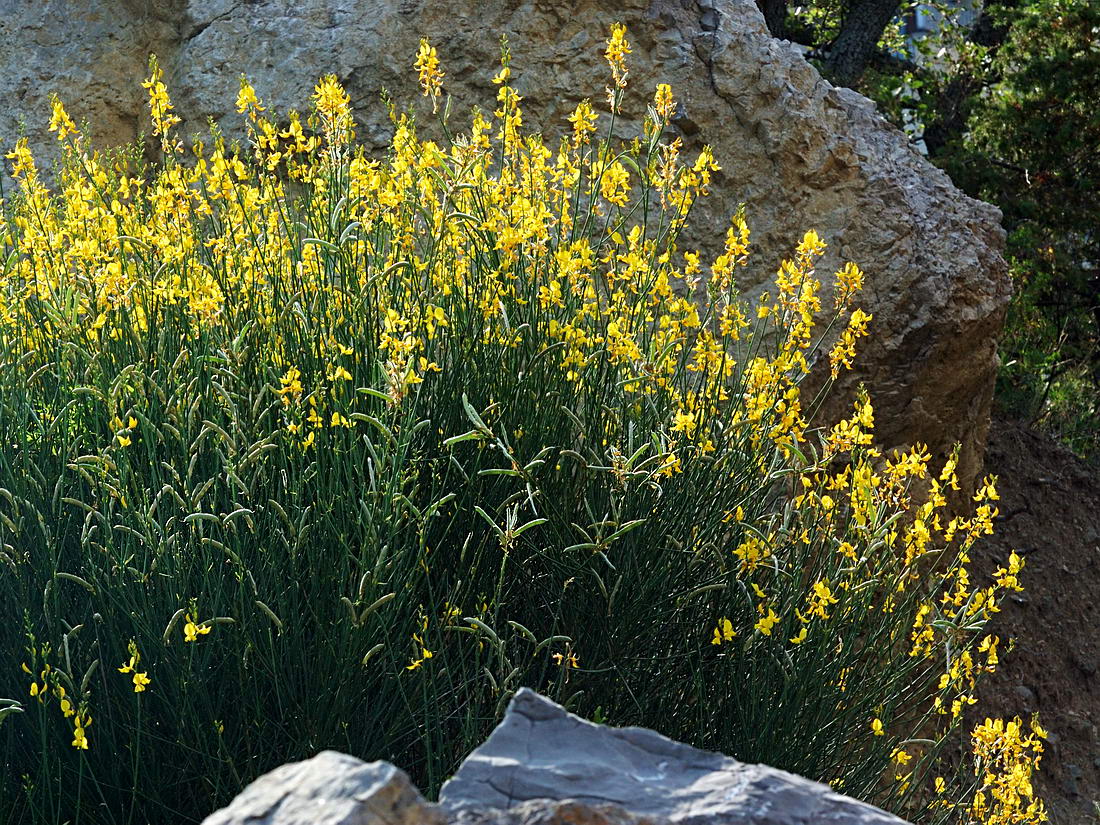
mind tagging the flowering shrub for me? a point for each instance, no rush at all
(306, 449)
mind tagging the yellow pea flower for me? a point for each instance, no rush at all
(767, 622)
(663, 101)
(424, 656)
(724, 632)
(192, 631)
(427, 67)
(569, 661)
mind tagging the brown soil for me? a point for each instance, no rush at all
(1050, 514)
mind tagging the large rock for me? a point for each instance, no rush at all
(330, 789)
(92, 53)
(542, 752)
(797, 151)
(544, 766)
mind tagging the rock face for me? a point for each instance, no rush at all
(544, 766)
(798, 152)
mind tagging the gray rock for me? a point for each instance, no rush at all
(330, 789)
(553, 812)
(798, 152)
(541, 752)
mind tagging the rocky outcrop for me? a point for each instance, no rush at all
(797, 151)
(544, 766)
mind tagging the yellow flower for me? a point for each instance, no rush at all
(334, 106)
(988, 646)
(425, 654)
(615, 184)
(811, 244)
(427, 65)
(569, 661)
(617, 50)
(684, 422)
(247, 100)
(140, 680)
(192, 631)
(80, 739)
(800, 638)
(724, 632)
(767, 622)
(820, 599)
(60, 121)
(663, 101)
(876, 726)
(160, 107)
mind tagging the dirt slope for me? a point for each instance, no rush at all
(1050, 514)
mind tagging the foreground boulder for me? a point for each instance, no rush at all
(330, 789)
(540, 752)
(545, 766)
(798, 152)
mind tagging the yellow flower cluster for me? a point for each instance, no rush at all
(431, 78)
(495, 237)
(140, 679)
(1007, 754)
(160, 110)
(48, 685)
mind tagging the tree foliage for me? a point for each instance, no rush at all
(1030, 147)
(1002, 97)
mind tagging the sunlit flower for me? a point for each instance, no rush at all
(724, 632)
(427, 65)
(192, 631)
(767, 622)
